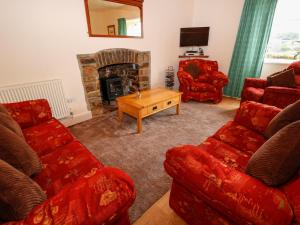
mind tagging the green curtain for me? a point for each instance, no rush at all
(251, 43)
(122, 29)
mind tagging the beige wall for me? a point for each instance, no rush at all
(102, 18)
(41, 39)
(223, 17)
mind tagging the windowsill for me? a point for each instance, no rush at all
(279, 61)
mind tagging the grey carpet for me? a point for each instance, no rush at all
(142, 155)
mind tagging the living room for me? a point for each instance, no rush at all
(52, 41)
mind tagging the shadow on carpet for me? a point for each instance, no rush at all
(142, 155)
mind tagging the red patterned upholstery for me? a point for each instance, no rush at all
(64, 166)
(46, 137)
(79, 188)
(209, 183)
(258, 90)
(30, 113)
(240, 137)
(208, 85)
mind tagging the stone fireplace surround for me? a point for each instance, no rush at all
(89, 65)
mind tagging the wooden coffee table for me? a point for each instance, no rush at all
(150, 102)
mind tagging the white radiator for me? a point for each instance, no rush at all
(51, 90)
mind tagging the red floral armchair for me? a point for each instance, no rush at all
(200, 80)
(210, 185)
(80, 189)
(256, 89)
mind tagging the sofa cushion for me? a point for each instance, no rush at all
(30, 113)
(193, 69)
(255, 116)
(15, 151)
(277, 160)
(226, 153)
(288, 115)
(44, 138)
(64, 166)
(240, 137)
(18, 195)
(202, 87)
(7, 121)
(285, 78)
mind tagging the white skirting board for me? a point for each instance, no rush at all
(77, 118)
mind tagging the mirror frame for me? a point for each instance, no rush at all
(137, 3)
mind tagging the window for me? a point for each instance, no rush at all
(284, 41)
(134, 27)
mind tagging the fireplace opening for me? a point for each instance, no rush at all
(133, 67)
(118, 80)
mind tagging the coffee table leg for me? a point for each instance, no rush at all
(139, 124)
(177, 109)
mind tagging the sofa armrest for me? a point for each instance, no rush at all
(255, 116)
(252, 83)
(30, 113)
(218, 79)
(100, 197)
(255, 82)
(237, 195)
(185, 79)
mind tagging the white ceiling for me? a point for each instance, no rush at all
(102, 4)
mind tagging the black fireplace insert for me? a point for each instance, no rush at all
(111, 88)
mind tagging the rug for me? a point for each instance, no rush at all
(142, 155)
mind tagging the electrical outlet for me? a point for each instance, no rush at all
(69, 100)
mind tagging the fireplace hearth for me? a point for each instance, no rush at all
(131, 66)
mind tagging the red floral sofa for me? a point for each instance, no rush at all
(210, 185)
(257, 90)
(200, 80)
(80, 189)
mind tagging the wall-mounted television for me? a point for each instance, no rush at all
(194, 36)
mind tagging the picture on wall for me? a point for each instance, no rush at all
(111, 30)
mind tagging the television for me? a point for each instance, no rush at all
(194, 36)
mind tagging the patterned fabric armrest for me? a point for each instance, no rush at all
(218, 79)
(30, 113)
(100, 197)
(255, 116)
(237, 195)
(255, 82)
(185, 79)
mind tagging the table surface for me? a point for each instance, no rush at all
(148, 97)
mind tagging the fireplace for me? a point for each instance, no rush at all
(111, 88)
(128, 73)
(131, 67)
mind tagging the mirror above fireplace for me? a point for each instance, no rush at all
(114, 18)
